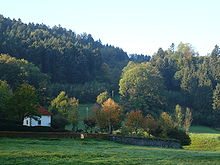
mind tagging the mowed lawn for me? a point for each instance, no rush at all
(76, 151)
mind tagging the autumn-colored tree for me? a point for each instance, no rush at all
(134, 121)
(109, 115)
(151, 126)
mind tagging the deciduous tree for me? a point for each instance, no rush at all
(5, 94)
(179, 116)
(134, 121)
(166, 122)
(188, 119)
(102, 97)
(24, 102)
(67, 107)
(109, 115)
(151, 126)
(141, 87)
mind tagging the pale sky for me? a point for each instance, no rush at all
(136, 26)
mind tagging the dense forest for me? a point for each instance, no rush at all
(72, 61)
(55, 59)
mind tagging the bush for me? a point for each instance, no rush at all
(89, 123)
(158, 132)
(59, 122)
(180, 135)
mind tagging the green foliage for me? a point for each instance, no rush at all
(83, 68)
(60, 103)
(5, 95)
(166, 122)
(86, 93)
(65, 108)
(141, 87)
(73, 113)
(180, 135)
(216, 98)
(179, 116)
(139, 58)
(102, 97)
(190, 80)
(188, 120)
(24, 102)
(68, 58)
(90, 123)
(17, 72)
(215, 52)
(59, 122)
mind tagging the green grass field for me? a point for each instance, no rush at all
(70, 151)
(204, 139)
(204, 150)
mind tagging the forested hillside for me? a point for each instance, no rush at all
(55, 59)
(176, 76)
(74, 62)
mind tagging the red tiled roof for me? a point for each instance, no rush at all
(43, 111)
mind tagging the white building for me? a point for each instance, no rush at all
(43, 120)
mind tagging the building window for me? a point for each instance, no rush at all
(26, 122)
(39, 122)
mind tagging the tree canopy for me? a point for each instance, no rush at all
(141, 87)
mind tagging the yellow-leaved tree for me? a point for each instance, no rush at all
(109, 115)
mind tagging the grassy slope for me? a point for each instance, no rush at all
(204, 139)
(203, 129)
(70, 151)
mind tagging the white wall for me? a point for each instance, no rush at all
(45, 121)
(26, 121)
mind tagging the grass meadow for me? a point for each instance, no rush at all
(204, 150)
(72, 151)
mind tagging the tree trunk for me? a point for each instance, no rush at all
(109, 128)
